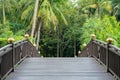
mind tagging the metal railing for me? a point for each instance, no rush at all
(13, 54)
(105, 53)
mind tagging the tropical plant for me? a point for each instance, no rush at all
(102, 28)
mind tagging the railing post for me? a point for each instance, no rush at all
(92, 39)
(26, 37)
(11, 41)
(109, 42)
(13, 56)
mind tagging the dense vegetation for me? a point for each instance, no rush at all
(59, 27)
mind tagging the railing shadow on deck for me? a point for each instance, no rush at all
(13, 54)
(107, 54)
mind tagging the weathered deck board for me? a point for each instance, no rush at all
(60, 69)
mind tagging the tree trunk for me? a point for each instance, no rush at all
(58, 43)
(60, 40)
(34, 18)
(61, 54)
(38, 36)
(3, 11)
(74, 47)
(99, 15)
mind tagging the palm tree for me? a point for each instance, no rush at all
(116, 7)
(7, 8)
(100, 7)
(46, 16)
(34, 17)
(37, 14)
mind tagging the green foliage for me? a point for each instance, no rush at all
(7, 30)
(102, 28)
(3, 41)
(63, 21)
(16, 27)
(116, 7)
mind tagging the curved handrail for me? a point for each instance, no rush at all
(12, 54)
(85, 52)
(105, 53)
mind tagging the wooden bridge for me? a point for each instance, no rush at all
(98, 61)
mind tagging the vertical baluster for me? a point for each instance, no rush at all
(26, 44)
(13, 56)
(92, 39)
(109, 42)
(11, 41)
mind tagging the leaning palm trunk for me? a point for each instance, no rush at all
(34, 18)
(38, 36)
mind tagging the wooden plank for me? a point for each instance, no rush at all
(60, 69)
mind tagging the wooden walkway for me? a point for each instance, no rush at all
(60, 69)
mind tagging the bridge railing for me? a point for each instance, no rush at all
(106, 54)
(12, 54)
